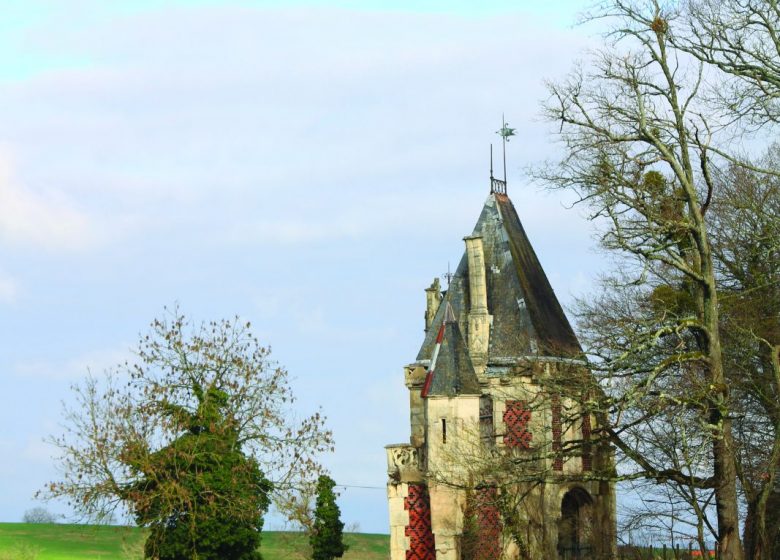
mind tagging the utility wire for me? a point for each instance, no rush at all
(363, 487)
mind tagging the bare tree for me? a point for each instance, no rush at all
(641, 149)
(746, 242)
(672, 512)
(741, 38)
(39, 515)
(138, 436)
(744, 221)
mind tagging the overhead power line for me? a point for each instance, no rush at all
(362, 487)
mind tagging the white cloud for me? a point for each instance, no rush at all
(292, 232)
(338, 217)
(39, 219)
(95, 361)
(178, 127)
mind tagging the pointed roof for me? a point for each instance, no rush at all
(527, 318)
(454, 373)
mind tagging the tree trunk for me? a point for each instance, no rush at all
(762, 528)
(749, 532)
(772, 550)
(726, 494)
(723, 449)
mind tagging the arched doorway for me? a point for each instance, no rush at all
(575, 531)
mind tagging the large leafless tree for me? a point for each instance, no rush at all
(746, 240)
(642, 147)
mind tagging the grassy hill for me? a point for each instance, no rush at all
(22, 541)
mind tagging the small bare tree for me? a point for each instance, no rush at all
(190, 432)
(39, 515)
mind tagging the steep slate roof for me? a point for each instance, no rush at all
(454, 374)
(527, 318)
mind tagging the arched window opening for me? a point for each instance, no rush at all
(575, 531)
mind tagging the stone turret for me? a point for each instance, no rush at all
(505, 371)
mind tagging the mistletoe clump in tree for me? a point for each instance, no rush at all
(327, 535)
(194, 439)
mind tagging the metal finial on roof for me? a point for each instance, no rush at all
(505, 132)
(499, 185)
(448, 276)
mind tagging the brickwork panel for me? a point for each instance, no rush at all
(516, 419)
(421, 540)
(587, 451)
(557, 430)
(488, 524)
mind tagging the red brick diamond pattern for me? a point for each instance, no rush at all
(557, 428)
(516, 418)
(587, 451)
(421, 541)
(488, 524)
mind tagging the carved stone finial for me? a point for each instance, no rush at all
(432, 302)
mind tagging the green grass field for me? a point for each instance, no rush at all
(21, 541)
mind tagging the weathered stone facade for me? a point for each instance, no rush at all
(501, 461)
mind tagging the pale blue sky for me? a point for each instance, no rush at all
(310, 166)
(20, 58)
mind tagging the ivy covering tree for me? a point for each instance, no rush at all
(326, 539)
(207, 470)
(193, 439)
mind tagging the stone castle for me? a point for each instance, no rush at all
(503, 459)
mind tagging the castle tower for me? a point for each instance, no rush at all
(502, 462)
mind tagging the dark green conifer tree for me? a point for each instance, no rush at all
(327, 535)
(209, 473)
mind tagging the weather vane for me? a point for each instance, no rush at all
(505, 132)
(448, 275)
(499, 185)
